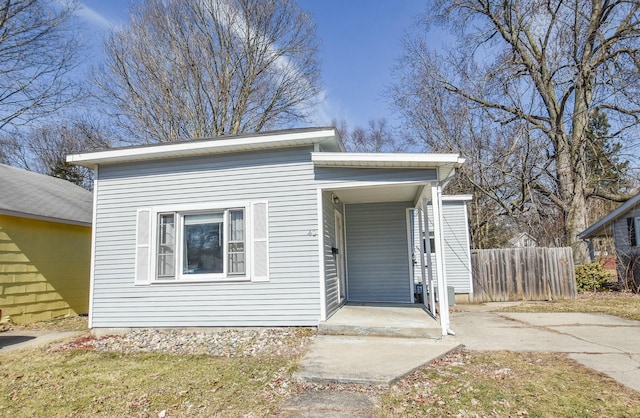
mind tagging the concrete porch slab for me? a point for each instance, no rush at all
(392, 320)
(368, 360)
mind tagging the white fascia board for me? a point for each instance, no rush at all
(202, 147)
(456, 197)
(381, 160)
(33, 216)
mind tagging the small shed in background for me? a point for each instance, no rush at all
(522, 240)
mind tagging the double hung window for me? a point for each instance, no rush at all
(201, 245)
(202, 242)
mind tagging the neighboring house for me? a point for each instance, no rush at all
(623, 226)
(522, 240)
(45, 246)
(269, 229)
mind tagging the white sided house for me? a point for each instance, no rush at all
(269, 229)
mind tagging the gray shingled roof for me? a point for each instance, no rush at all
(31, 195)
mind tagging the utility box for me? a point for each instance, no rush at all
(418, 293)
(451, 295)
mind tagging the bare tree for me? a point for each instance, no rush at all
(204, 68)
(500, 161)
(39, 47)
(377, 136)
(44, 149)
(548, 67)
(8, 150)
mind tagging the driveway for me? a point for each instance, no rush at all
(605, 343)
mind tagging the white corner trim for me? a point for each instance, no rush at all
(320, 235)
(92, 262)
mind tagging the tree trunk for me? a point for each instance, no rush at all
(575, 222)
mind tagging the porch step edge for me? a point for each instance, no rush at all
(354, 330)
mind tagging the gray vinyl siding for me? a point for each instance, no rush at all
(283, 177)
(332, 289)
(457, 246)
(377, 257)
(621, 233)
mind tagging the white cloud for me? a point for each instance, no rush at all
(94, 18)
(326, 110)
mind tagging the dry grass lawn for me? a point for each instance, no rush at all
(63, 323)
(624, 305)
(508, 384)
(88, 383)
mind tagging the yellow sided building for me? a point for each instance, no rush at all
(45, 246)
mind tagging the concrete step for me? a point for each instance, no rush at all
(328, 328)
(383, 320)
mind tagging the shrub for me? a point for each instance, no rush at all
(592, 277)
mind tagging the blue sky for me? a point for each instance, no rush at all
(360, 41)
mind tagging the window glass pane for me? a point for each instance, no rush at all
(236, 250)
(236, 263)
(203, 244)
(236, 224)
(166, 246)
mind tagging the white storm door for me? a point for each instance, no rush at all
(340, 259)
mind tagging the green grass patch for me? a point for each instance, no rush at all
(89, 383)
(470, 384)
(623, 305)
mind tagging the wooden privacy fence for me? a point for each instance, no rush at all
(523, 274)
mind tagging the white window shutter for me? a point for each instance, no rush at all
(259, 242)
(143, 248)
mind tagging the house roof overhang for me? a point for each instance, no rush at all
(324, 138)
(603, 227)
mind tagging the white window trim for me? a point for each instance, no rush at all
(185, 209)
(636, 225)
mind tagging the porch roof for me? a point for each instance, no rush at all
(387, 190)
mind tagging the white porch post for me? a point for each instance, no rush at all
(423, 274)
(424, 221)
(443, 301)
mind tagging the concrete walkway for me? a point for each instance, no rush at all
(328, 404)
(373, 344)
(368, 360)
(605, 343)
(18, 340)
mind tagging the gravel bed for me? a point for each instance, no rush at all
(225, 343)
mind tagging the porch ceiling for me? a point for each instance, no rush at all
(383, 193)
